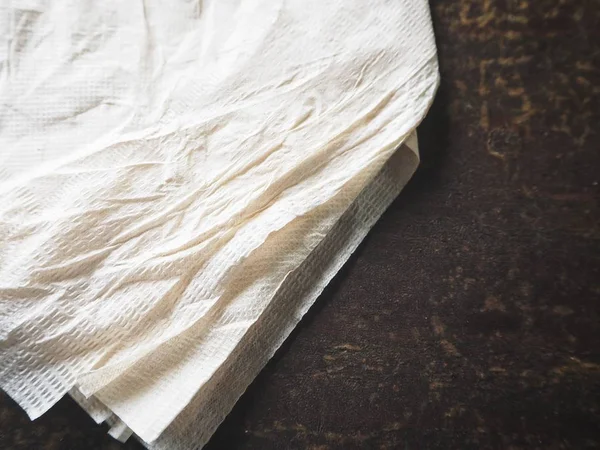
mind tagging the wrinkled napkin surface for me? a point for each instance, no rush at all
(178, 183)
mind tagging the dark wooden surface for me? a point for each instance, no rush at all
(469, 318)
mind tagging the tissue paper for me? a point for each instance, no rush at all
(169, 170)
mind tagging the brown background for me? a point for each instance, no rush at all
(469, 318)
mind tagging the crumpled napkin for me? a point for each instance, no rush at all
(179, 182)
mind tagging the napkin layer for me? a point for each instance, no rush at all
(201, 417)
(209, 406)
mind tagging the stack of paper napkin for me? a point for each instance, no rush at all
(178, 183)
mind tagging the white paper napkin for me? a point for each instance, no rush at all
(171, 174)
